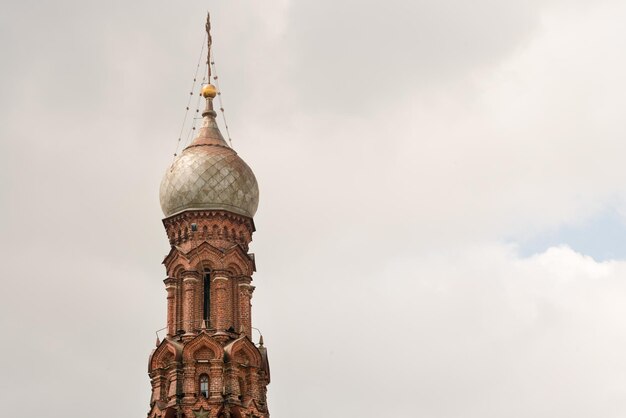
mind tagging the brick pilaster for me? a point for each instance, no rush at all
(245, 306)
(170, 287)
(190, 283)
(217, 380)
(221, 307)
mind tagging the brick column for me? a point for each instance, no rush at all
(157, 387)
(221, 301)
(170, 287)
(245, 306)
(232, 383)
(216, 382)
(255, 386)
(179, 305)
(190, 283)
(189, 384)
(173, 384)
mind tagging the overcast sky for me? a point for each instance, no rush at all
(442, 224)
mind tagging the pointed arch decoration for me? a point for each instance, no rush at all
(167, 352)
(205, 255)
(205, 346)
(243, 347)
(236, 256)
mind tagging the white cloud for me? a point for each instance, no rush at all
(520, 147)
(473, 333)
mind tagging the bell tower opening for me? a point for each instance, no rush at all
(206, 304)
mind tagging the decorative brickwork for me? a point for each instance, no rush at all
(221, 227)
(216, 347)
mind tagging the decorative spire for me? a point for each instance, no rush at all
(209, 91)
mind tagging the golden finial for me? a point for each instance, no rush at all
(209, 91)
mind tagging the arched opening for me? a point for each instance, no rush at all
(230, 413)
(206, 307)
(204, 385)
(242, 387)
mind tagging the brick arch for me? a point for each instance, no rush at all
(253, 410)
(205, 346)
(234, 269)
(234, 412)
(202, 265)
(178, 269)
(170, 413)
(243, 347)
(239, 263)
(205, 255)
(165, 354)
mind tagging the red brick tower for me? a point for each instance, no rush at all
(207, 365)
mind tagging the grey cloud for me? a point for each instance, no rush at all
(353, 53)
(373, 277)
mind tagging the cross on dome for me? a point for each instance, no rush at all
(208, 174)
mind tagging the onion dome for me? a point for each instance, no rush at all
(208, 174)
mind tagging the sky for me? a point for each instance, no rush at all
(442, 222)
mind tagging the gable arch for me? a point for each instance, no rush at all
(234, 269)
(204, 346)
(205, 255)
(178, 269)
(165, 354)
(238, 262)
(243, 347)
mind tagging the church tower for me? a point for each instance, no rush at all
(207, 365)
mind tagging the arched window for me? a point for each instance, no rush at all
(206, 306)
(242, 387)
(204, 385)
